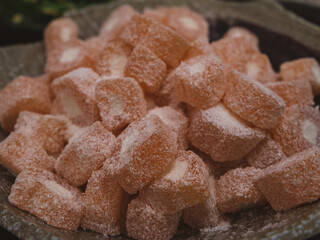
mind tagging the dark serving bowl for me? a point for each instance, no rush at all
(283, 36)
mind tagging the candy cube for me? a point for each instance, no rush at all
(189, 24)
(23, 94)
(116, 22)
(176, 121)
(84, 154)
(113, 59)
(293, 92)
(146, 68)
(48, 197)
(297, 129)
(237, 191)
(266, 153)
(221, 134)
(140, 153)
(293, 181)
(75, 96)
(199, 46)
(159, 14)
(252, 101)
(205, 214)
(58, 32)
(68, 57)
(144, 222)
(200, 81)
(102, 204)
(48, 130)
(303, 68)
(183, 184)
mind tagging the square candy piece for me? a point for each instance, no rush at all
(121, 101)
(84, 154)
(23, 94)
(75, 96)
(140, 153)
(293, 181)
(48, 197)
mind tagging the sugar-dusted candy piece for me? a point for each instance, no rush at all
(184, 183)
(120, 101)
(176, 121)
(75, 96)
(113, 58)
(84, 154)
(146, 68)
(102, 204)
(165, 95)
(293, 181)
(60, 31)
(199, 46)
(116, 22)
(145, 223)
(293, 92)
(200, 81)
(140, 153)
(297, 129)
(69, 56)
(218, 132)
(304, 68)
(237, 190)
(48, 130)
(244, 34)
(266, 153)
(189, 24)
(252, 101)
(19, 152)
(159, 14)
(204, 214)
(95, 44)
(48, 197)
(23, 94)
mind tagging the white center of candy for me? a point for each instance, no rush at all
(178, 170)
(57, 189)
(117, 64)
(237, 34)
(65, 34)
(116, 105)
(310, 131)
(69, 55)
(196, 68)
(128, 141)
(71, 107)
(252, 70)
(189, 23)
(316, 73)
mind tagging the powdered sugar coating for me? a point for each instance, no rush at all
(293, 181)
(221, 134)
(176, 121)
(48, 197)
(84, 154)
(252, 101)
(237, 191)
(75, 96)
(297, 129)
(140, 153)
(120, 101)
(102, 204)
(200, 81)
(146, 223)
(183, 184)
(23, 94)
(146, 68)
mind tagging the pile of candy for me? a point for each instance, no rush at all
(147, 123)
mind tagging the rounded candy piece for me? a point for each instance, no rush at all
(120, 101)
(221, 134)
(252, 101)
(293, 181)
(84, 154)
(140, 153)
(48, 197)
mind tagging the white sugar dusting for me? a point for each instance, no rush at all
(71, 107)
(178, 171)
(57, 189)
(310, 131)
(316, 73)
(196, 68)
(128, 141)
(252, 70)
(117, 64)
(116, 105)
(69, 55)
(65, 34)
(189, 23)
